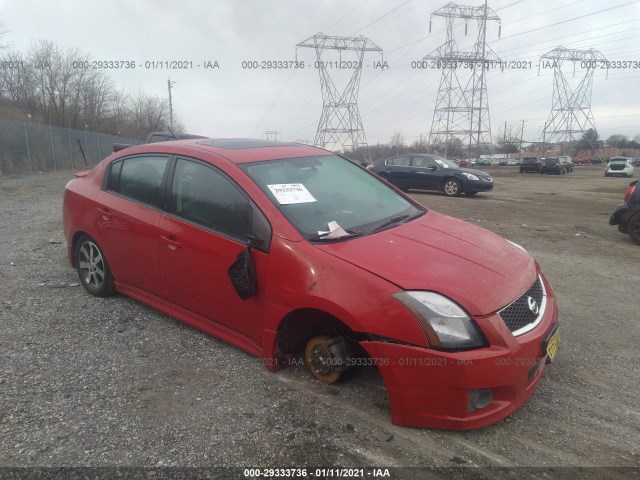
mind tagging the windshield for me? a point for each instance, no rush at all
(618, 162)
(444, 163)
(552, 161)
(329, 197)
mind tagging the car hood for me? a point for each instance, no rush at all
(478, 269)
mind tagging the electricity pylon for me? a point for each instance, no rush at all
(462, 105)
(571, 114)
(340, 122)
(269, 134)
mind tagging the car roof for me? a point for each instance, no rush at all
(236, 150)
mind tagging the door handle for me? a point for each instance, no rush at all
(105, 212)
(171, 242)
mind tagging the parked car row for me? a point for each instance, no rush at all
(558, 165)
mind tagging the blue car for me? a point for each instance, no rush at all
(431, 172)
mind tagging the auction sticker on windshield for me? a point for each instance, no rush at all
(290, 193)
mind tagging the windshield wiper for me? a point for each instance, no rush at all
(392, 222)
(322, 237)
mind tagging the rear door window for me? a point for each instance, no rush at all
(423, 162)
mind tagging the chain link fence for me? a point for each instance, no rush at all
(33, 147)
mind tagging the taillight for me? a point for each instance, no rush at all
(630, 191)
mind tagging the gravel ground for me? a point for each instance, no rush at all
(110, 382)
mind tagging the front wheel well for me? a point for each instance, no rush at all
(299, 326)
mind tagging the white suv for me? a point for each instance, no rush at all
(619, 167)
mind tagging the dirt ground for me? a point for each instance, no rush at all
(109, 382)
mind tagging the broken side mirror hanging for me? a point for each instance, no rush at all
(242, 273)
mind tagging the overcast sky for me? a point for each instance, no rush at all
(236, 102)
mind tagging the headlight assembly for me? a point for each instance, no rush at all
(446, 325)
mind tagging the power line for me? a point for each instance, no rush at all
(571, 19)
(381, 17)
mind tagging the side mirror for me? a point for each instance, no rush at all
(242, 274)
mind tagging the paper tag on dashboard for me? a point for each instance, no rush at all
(290, 193)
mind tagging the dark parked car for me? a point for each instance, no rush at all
(627, 215)
(431, 172)
(553, 165)
(530, 164)
(284, 249)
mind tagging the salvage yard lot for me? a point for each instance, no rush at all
(86, 381)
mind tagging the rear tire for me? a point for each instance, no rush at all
(92, 267)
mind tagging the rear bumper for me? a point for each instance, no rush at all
(429, 388)
(618, 214)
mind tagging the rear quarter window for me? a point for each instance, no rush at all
(138, 178)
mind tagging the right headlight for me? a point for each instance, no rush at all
(446, 325)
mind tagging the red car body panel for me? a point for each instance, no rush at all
(179, 269)
(436, 247)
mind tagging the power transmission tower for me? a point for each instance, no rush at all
(571, 114)
(340, 122)
(269, 134)
(462, 105)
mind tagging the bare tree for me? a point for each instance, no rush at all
(617, 140)
(397, 140)
(53, 85)
(508, 139)
(17, 80)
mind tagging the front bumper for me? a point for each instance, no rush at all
(477, 186)
(430, 388)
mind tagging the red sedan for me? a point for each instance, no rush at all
(286, 249)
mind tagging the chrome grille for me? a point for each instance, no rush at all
(520, 316)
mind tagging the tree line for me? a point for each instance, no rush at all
(48, 84)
